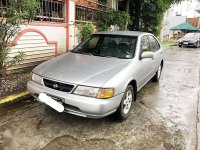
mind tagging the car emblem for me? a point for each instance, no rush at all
(55, 86)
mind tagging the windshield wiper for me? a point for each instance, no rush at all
(108, 56)
(82, 53)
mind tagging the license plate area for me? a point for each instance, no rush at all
(186, 43)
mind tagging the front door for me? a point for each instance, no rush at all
(146, 65)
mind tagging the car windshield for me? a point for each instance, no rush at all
(108, 46)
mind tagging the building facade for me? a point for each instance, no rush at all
(54, 29)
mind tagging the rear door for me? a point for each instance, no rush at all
(156, 48)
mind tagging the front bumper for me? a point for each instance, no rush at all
(79, 105)
(187, 44)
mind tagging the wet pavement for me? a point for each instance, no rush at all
(164, 117)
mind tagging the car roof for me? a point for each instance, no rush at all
(125, 33)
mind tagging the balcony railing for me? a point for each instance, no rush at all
(50, 10)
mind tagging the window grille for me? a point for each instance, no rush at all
(3, 5)
(50, 10)
(87, 10)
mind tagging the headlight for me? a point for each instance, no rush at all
(94, 92)
(193, 41)
(36, 78)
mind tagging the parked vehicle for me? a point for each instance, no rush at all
(190, 39)
(101, 76)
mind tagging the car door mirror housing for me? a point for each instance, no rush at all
(147, 55)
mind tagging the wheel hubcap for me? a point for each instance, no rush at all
(159, 72)
(127, 102)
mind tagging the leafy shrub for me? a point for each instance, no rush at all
(85, 30)
(111, 17)
(17, 13)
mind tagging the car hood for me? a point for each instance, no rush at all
(81, 69)
(188, 39)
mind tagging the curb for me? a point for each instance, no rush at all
(14, 98)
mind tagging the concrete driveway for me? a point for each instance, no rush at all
(164, 117)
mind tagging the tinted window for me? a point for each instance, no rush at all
(154, 44)
(144, 45)
(189, 35)
(108, 46)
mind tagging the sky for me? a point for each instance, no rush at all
(185, 8)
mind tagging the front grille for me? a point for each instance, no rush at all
(58, 85)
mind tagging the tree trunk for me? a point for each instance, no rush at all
(127, 5)
(137, 14)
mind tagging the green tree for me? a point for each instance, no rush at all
(147, 15)
(17, 13)
(120, 19)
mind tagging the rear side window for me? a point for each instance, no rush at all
(154, 43)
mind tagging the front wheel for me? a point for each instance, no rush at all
(156, 77)
(124, 108)
(198, 44)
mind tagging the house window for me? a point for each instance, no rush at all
(3, 5)
(87, 10)
(50, 10)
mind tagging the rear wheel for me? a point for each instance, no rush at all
(156, 77)
(124, 108)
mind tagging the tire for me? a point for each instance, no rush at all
(156, 77)
(124, 108)
(180, 45)
(198, 44)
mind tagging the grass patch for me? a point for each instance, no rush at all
(1, 148)
(168, 43)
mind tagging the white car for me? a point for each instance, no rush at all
(190, 39)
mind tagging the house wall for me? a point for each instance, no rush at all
(38, 43)
(193, 21)
(42, 40)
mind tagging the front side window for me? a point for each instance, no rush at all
(144, 44)
(154, 43)
(108, 46)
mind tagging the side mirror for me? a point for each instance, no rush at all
(147, 55)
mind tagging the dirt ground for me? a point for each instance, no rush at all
(164, 117)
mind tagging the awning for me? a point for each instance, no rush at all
(184, 26)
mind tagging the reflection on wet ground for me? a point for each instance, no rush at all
(162, 118)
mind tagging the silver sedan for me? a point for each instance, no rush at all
(101, 76)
